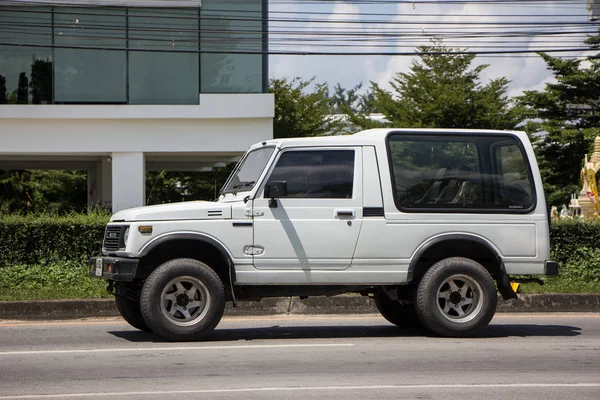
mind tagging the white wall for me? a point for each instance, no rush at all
(251, 105)
(148, 135)
(222, 123)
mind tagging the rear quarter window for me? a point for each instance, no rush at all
(467, 173)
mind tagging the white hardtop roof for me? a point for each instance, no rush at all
(371, 137)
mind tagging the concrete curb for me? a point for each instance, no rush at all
(72, 309)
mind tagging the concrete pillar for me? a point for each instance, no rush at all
(106, 182)
(128, 180)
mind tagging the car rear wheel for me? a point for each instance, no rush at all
(456, 297)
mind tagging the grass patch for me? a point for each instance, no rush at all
(558, 285)
(56, 293)
(54, 279)
(68, 280)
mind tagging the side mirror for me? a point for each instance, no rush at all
(276, 189)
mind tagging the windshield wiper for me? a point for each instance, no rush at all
(243, 183)
(234, 188)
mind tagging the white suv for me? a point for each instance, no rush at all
(428, 222)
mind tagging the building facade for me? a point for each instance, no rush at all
(121, 87)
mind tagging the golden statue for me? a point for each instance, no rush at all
(588, 197)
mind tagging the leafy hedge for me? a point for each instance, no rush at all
(45, 256)
(31, 239)
(569, 236)
(43, 239)
(576, 245)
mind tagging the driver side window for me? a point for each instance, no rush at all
(321, 174)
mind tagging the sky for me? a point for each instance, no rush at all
(524, 72)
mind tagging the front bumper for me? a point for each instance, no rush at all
(551, 268)
(113, 268)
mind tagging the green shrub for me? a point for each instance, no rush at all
(576, 246)
(44, 239)
(44, 257)
(568, 236)
(583, 265)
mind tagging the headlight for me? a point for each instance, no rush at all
(126, 236)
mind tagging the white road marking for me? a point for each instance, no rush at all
(307, 388)
(151, 349)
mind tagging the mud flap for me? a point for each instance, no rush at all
(504, 286)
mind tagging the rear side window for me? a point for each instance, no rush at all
(321, 174)
(467, 173)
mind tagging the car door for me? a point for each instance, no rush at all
(316, 225)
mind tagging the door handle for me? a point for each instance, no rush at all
(345, 213)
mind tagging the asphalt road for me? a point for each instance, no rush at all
(524, 357)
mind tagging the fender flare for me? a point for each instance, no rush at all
(168, 237)
(502, 280)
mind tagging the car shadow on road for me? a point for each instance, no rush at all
(356, 331)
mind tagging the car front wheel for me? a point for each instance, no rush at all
(400, 314)
(131, 312)
(183, 299)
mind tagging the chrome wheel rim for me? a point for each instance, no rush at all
(185, 301)
(460, 298)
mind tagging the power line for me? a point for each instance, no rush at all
(210, 31)
(312, 53)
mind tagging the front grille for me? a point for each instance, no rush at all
(113, 237)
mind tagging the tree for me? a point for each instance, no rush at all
(172, 186)
(354, 107)
(23, 89)
(443, 91)
(3, 99)
(42, 191)
(565, 117)
(299, 112)
(41, 82)
(350, 101)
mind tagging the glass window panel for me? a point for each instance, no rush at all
(513, 184)
(237, 27)
(161, 75)
(25, 72)
(322, 174)
(441, 172)
(90, 75)
(250, 169)
(436, 173)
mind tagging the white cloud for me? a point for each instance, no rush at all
(525, 73)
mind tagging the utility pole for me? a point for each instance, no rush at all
(593, 7)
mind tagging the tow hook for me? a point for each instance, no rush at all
(111, 288)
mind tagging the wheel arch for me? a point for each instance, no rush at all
(465, 245)
(193, 245)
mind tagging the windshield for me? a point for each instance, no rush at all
(248, 171)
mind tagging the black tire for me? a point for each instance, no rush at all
(183, 300)
(131, 312)
(402, 315)
(456, 298)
